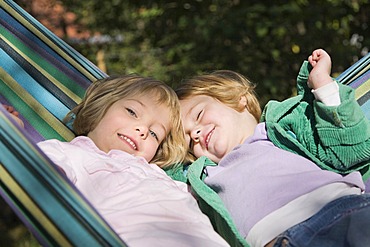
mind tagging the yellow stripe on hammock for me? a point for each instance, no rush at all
(22, 196)
(59, 127)
(56, 82)
(49, 42)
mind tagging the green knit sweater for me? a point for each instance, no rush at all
(336, 138)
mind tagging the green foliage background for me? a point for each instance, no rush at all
(264, 40)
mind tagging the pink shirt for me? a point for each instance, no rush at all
(141, 203)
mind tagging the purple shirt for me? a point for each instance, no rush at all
(257, 178)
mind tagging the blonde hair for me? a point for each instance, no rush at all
(224, 85)
(102, 94)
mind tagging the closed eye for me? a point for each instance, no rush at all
(198, 116)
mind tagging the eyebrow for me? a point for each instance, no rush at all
(137, 101)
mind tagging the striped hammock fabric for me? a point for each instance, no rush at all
(358, 77)
(43, 78)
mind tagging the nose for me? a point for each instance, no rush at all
(195, 134)
(143, 131)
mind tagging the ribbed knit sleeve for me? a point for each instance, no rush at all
(336, 138)
(344, 132)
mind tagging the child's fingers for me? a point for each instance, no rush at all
(8, 108)
(316, 54)
(319, 53)
(11, 110)
(312, 61)
(315, 57)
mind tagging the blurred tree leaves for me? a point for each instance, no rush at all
(264, 40)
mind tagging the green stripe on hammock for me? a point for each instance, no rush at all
(44, 122)
(65, 84)
(59, 46)
(23, 167)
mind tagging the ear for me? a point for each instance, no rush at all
(242, 102)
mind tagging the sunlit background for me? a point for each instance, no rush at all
(265, 40)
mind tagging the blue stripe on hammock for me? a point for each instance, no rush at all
(38, 76)
(359, 81)
(347, 76)
(70, 52)
(32, 41)
(48, 100)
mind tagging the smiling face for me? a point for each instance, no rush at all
(134, 125)
(213, 129)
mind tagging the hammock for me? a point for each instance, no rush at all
(43, 78)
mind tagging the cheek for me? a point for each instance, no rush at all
(151, 151)
(148, 156)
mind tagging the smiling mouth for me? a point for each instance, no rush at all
(128, 140)
(209, 137)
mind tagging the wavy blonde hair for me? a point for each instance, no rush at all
(224, 85)
(102, 94)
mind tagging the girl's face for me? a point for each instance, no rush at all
(213, 129)
(135, 125)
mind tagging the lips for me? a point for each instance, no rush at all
(128, 140)
(208, 137)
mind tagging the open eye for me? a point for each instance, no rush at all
(152, 133)
(131, 112)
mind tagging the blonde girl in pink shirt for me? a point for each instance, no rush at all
(127, 129)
